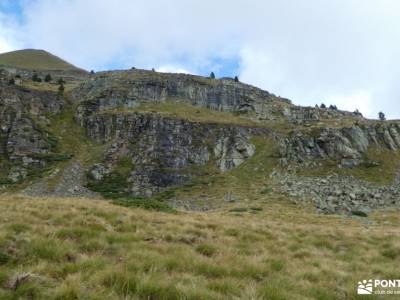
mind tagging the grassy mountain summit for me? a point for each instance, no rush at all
(35, 59)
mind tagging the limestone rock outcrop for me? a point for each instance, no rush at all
(24, 144)
(127, 89)
(347, 145)
(163, 150)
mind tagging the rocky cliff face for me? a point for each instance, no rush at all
(128, 88)
(25, 145)
(347, 145)
(163, 151)
(148, 152)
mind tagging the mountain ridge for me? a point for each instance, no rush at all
(35, 59)
(136, 134)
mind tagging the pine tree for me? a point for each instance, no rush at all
(381, 116)
(212, 75)
(236, 79)
(36, 78)
(48, 78)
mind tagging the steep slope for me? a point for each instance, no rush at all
(25, 145)
(35, 60)
(126, 89)
(186, 139)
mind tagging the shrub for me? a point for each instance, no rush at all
(266, 190)
(232, 232)
(238, 209)
(206, 249)
(49, 157)
(277, 265)
(256, 208)
(48, 78)
(52, 141)
(36, 78)
(18, 228)
(4, 258)
(61, 88)
(5, 181)
(11, 81)
(390, 253)
(115, 184)
(359, 213)
(112, 186)
(150, 204)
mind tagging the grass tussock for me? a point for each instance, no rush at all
(92, 249)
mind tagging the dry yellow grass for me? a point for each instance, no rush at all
(92, 249)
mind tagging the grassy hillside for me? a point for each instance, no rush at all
(34, 59)
(91, 249)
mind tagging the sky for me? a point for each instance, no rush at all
(341, 52)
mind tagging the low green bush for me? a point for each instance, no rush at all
(150, 204)
(238, 209)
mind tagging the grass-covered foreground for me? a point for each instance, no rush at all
(92, 249)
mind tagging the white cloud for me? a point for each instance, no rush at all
(260, 69)
(310, 51)
(361, 100)
(173, 69)
(8, 32)
(4, 46)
